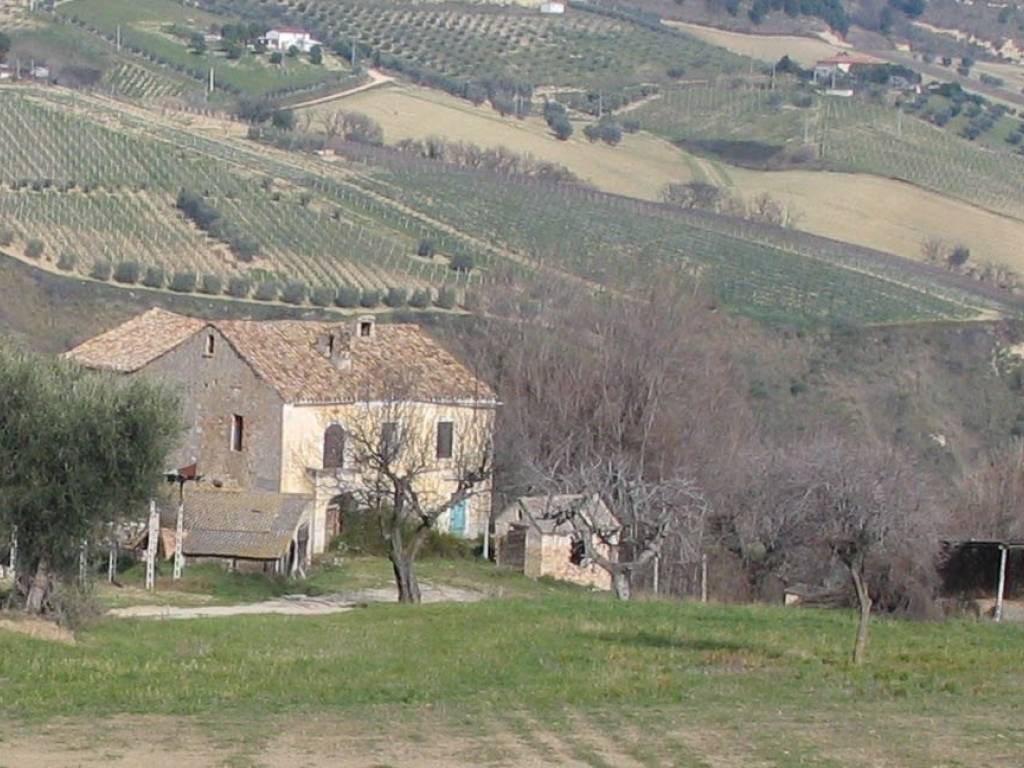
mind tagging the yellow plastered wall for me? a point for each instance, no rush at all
(302, 434)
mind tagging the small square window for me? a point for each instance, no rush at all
(366, 329)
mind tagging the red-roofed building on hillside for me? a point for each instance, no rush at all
(829, 70)
(268, 404)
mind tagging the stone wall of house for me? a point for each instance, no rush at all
(214, 387)
(553, 560)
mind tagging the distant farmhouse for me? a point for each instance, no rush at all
(268, 405)
(552, 8)
(534, 536)
(284, 38)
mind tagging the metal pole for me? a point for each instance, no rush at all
(657, 571)
(112, 563)
(703, 578)
(154, 533)
(1002, 582)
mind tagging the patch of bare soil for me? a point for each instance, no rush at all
(37, 628)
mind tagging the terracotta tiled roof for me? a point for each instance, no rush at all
(399, 359)
(134, 344)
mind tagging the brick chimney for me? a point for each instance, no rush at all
(336, 344)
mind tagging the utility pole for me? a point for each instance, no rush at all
(211, 80)
(119, 37)
(355, 53)
(773, 75)
(899, 123)
(83, 563)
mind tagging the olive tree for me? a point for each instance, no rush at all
(78, 451)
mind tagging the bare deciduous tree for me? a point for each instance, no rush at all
(645, 512)
(862, 505)
(993, 498)
(405, 484)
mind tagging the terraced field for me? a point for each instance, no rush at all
(844, 135)
(99, 180)
(469, 42)
(142, 25)
(102, 188)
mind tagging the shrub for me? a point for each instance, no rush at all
(67, 261)
(34, 248)
(369, 298)
(396, 297)
(420, 299)
(266, 291)
(244, 247)
(127, 272)
(445, 298)
(239, 287)
(101, 270)
(6, 237)
(347, 297)
(632, 125)
(561, 127)
(276, 57)
(316, 55)
(155, 277)
(183, 282)
(321, 296)
(295, 292)
(462, 262)
(211, 285)
(283, 119)
(959, 256)
(425, 249)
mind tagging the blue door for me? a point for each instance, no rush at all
(458, 518)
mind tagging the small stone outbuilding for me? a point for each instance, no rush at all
(532, 536)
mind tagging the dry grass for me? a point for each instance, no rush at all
(37, 629)
(886, 214)
(867, 210)
(639, 167)
(803, 50)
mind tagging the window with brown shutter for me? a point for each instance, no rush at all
(445, 439)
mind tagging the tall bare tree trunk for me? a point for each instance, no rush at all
(860, 647)
(405, 578)
(39, 590)
(620, 584)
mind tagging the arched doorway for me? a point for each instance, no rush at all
(337, 509)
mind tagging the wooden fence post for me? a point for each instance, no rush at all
(151, 545)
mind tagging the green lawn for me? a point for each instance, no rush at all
(759, 684)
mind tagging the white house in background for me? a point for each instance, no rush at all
(552, 8)
(284, 38)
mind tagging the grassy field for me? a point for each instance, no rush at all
(143, 29)
(546, 675)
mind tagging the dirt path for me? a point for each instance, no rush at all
(297, 605)
(376, 78)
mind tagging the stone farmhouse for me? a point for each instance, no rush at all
(269, 404)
